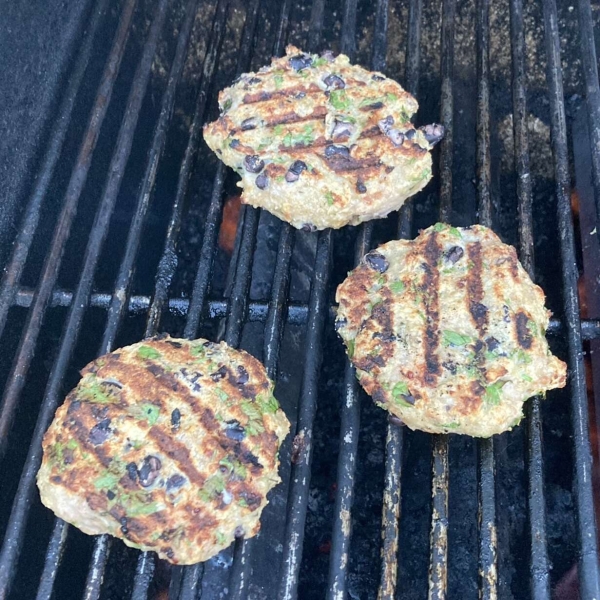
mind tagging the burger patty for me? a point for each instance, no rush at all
(169, 444)
(447, 332)
(320, 142)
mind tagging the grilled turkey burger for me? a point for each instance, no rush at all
(169, 444)
(447, 332)
(320, 142)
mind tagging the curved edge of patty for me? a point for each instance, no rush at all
(447, 331)
(171, 445)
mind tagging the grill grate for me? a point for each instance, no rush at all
(237, 308)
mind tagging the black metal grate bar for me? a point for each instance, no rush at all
(592, 91)
(350, 408)
(300, 479)
(25, 352)
(16, 263)
(488, 576)
(447, 109)
(390, 520)
(438, 569)
(589, 578)
(243, 269)
(346, 467)
(14, 533)
(540, 567)
(297, 314)
(168, 262)
(54, 553)
(121, 293)
(144, 572)
(277, 307)
(240, 572)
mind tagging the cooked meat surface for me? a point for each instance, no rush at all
(169, 444)
(447, 332)
(320, 142)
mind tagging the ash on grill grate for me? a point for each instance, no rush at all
(168, 198)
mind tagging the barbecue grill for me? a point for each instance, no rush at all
(117, 238)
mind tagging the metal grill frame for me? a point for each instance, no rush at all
(238, 310)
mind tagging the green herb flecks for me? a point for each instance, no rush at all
(400, 392)
(278, 80)
(339, 100)
(278, 129)
(221, 538)
(264, 144)
(148, 352)
(521, 357)
(439, 227)
(234, 467)
(453, 425)
(492, 393)
(532, 327)
(329, 198)
(223, 395)
(93, 391)
(107, 481)
(305, 137)
(227, 105)
(391, 97)
(350, 348)
(145, 411)
(319, 62)
(254, 426)
(369, 101)
(452, 338)
(139, 509)
(526, 377)
(397, 287)
(242, 502)
(268, 404)
(213, 486)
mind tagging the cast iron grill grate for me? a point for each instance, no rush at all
(236, 40)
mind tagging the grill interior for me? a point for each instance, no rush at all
(121, 234)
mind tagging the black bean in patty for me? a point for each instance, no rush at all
(300, 62)
(454, 254)
(294, 171)
(253, 163)
(377, 261)
(334, 82)
(262, 182)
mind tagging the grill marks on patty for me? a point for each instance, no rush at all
(279, 100)
(431, 283)
(479, 313)
(478, 310)
(524, 336)
(165, 382)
